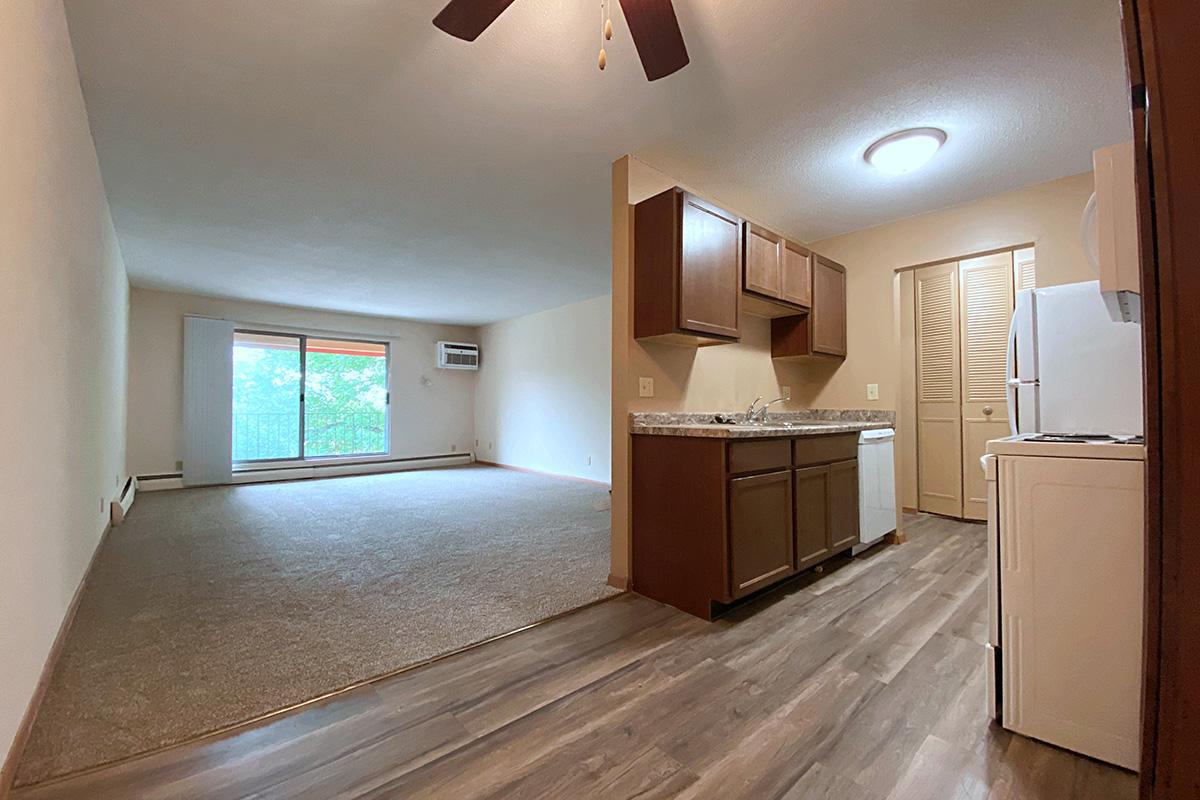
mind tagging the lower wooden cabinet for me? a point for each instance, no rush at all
(715, 520)
(826, 511)
(813, 544)
(843, 504)
(760, 530)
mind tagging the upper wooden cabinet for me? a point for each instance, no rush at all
(822, 332)
(829, 307)
(778, 274)
(687, 266)
(797, 274)
(764, 262)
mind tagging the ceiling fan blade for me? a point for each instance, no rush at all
(656, 34)
(466, 19)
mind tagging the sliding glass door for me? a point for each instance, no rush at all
(297, 397)
(268, 375)
(345, 398)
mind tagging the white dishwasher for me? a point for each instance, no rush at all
(876, 487)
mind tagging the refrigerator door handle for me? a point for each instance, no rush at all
(1010, 375)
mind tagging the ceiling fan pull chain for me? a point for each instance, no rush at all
(605, 33)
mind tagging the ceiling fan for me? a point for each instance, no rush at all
(652, 24)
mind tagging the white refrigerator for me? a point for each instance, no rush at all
(1071, 368)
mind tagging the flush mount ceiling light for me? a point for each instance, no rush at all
(905, 151)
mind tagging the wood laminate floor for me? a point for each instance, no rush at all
(865, 683)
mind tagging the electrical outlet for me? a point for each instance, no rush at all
(589, 461)
(178, 466)
(453, 448)
(645, 387)
(489, 447)
(785, 391)
(477, 443)
(872, 391)
(101, 505)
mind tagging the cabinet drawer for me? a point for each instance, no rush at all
(759, 455)
(825, 449)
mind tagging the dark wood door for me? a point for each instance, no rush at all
(796, 278)
(710, 269)
(760, 530)
(828, 307)
(1163, 62)
(843, 504)
(812, 516)
(764, 262)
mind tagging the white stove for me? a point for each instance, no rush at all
(1065, 577)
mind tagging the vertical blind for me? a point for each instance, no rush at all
(207, 401)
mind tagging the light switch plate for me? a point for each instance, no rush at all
(872, 391)
(645, 387)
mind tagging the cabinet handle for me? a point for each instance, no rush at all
(987, 410)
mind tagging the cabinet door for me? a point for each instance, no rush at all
(828, 307)
(843, 504)
(764, 265)
(710, 269)
(760, 530)
(812, 516)
(796, 282)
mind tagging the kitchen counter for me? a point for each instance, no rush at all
(812, 422)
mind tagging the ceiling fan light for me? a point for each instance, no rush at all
(905, 151)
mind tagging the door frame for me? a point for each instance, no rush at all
(1160, 37)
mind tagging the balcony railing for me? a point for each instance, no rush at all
(269, 435)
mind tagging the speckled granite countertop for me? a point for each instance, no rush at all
(812, 422)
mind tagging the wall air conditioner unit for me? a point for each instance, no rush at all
(457, 355)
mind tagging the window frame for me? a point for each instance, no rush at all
(303, 338)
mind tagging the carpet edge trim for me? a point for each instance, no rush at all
(261, 718)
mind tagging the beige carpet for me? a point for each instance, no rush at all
(212, 606)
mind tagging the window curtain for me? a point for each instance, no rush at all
(207, 401)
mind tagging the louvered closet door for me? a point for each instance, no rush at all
(986, 285)
(939, 431)
(1025, 269)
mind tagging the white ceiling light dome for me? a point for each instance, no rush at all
(905, 151)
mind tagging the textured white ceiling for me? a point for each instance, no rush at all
(347, 155)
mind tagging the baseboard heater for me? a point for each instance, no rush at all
(305, 471)
(120, 506)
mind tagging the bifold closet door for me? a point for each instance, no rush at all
(939, 429)
(1024, 269)
(986, 289)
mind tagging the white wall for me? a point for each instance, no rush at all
(432, 419)
(544, 391)
(64, 305)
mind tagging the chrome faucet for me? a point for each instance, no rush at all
(759, 415)
(752, 410)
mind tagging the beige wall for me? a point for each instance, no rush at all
(728, 377)
(542, 400)
(64, 303)
(879, 346)
(431, 419)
